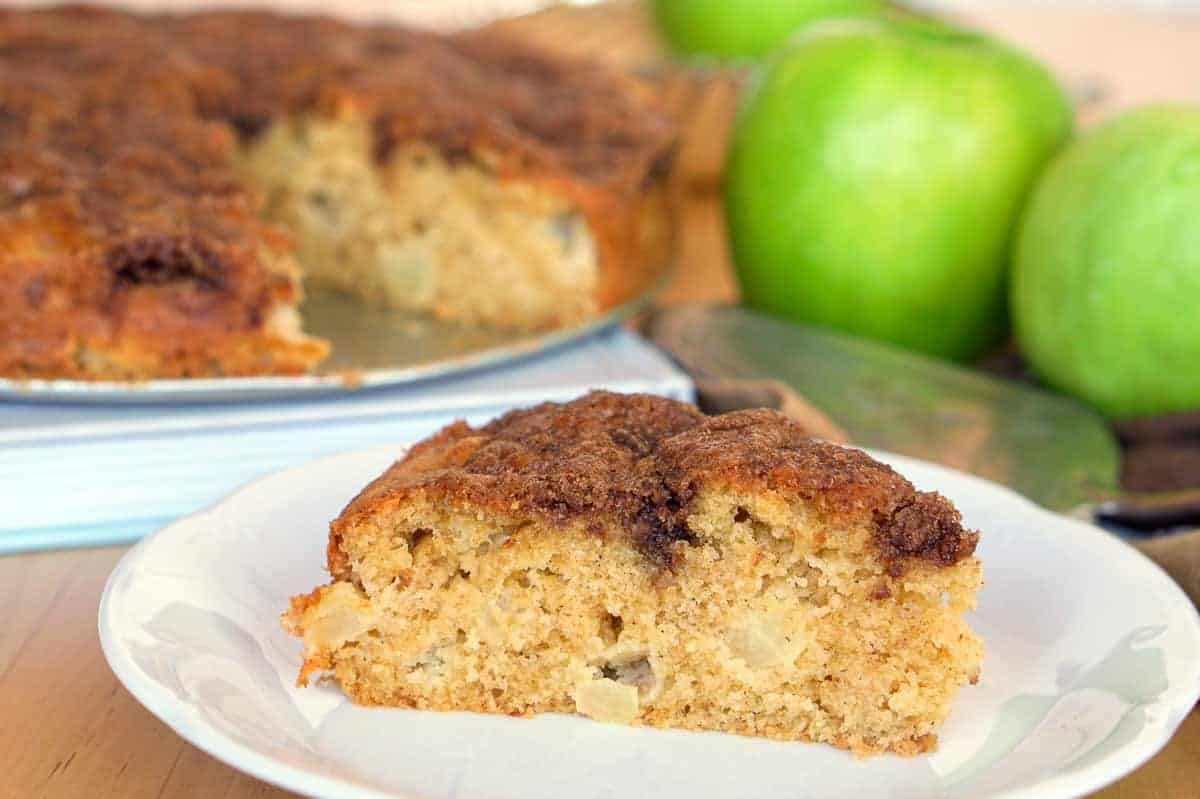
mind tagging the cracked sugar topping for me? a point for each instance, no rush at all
(642, 459)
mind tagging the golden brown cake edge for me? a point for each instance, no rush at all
(640, 459)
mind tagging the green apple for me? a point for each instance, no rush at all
(731, 28)
(1106, 278)
(876, 173)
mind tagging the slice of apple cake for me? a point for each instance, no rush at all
(630, 559)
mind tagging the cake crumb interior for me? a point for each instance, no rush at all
(774, 620)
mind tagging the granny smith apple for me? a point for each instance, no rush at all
(1106, 279)
(730, 28)
(875, 177)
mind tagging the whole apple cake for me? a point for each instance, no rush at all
(167, 181)
(629, 559)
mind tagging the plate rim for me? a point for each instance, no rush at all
(313, 783)
(204, 737)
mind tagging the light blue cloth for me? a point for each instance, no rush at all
(83, 475)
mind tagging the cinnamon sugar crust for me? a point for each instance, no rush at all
(467, 94)
(131, 247)
(641, 460)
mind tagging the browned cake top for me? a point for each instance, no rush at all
(641, 459)
(474, 93)
(81, 87)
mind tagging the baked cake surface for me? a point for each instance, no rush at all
(627, 558)
(165, 180)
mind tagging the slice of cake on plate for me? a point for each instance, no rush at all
(627, 558)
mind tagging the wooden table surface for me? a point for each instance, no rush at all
(68, 729)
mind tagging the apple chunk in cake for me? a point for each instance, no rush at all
(627, 558)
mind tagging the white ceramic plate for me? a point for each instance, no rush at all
(1093, 659)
